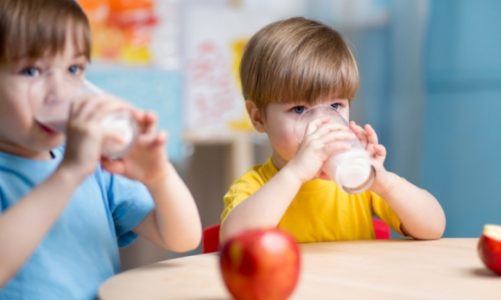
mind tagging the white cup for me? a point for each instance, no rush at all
(119, 127)
(352, 169)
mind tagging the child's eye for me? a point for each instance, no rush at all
(298, 109)
(336, 106)
(30, 71)
(76, 69)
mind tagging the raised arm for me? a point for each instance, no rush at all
(174, 223)
(419, 211)
(421, 215)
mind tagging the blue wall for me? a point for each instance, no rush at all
(462, 137)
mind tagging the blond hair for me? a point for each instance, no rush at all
(30, 29)
(297, 60)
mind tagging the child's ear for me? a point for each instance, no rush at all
(255, 115)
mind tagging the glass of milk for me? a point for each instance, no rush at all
(352, 169)
(119, 127)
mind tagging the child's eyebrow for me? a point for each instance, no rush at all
(339, 100)
(22, 62)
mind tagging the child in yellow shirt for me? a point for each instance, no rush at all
(290, 67)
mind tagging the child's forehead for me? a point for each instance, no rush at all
(73, 46)
(71, 41)
(322, 99)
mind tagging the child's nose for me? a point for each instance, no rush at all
(58, 88)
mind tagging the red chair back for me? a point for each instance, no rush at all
(381, 230)
(210, 238)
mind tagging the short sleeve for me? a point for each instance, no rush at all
(383, 210)
(130, 202)
(240, 190)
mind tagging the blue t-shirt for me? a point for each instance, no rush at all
(81, 249)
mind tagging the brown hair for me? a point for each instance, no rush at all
(33, 28)
(297, 60)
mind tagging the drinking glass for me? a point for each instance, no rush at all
(352, 169)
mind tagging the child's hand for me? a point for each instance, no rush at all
(84, 134)
(369, 140)
(321, 140)
(147, 160)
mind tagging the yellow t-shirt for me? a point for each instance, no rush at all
(321, 211)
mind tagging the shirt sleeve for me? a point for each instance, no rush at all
(239, 191)
(130, 202)
(383, 210)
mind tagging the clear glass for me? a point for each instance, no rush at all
(120, 128)
(352, 169)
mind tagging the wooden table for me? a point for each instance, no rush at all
(388, 269)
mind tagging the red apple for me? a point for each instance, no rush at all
(489, 247)
(260, 264)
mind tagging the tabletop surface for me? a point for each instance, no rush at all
(378, 269)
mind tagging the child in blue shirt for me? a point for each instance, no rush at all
(64, 211)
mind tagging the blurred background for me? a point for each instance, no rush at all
(430, 85)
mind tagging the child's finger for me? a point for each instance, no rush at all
(370, 150)
(104, 108)
(94, 108)
(355, 127)
(77, 108)
(161, 138)
(329, 128)
(380, 150)
(338, 136)
(336, 147)
(371, 134)
(113, 166)
(311, 127)
(359, 132)
(148, 123)
(152, 138)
